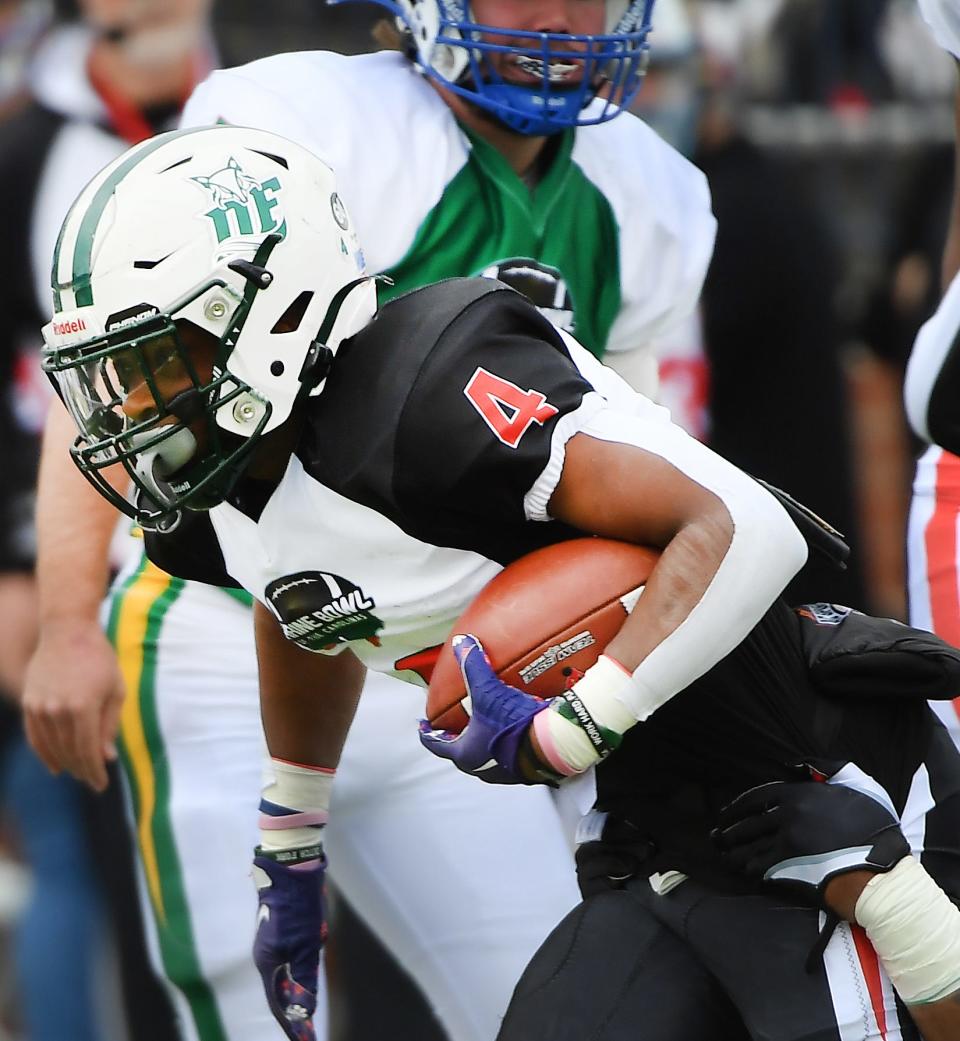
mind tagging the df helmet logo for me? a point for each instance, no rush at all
(242, 204)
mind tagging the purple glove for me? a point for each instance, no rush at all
(489, 746)
(290, 933)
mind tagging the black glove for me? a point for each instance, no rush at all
(610, 852)
(801, 834)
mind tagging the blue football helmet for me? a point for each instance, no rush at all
(574, 80)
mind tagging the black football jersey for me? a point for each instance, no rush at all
(425, 466)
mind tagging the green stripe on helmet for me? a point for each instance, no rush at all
(83, 247)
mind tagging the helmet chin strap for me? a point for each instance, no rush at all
(155, 464)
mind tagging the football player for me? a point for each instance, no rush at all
(472, 152)
(930, 397)
(363, 474)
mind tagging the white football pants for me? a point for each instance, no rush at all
(461, 880)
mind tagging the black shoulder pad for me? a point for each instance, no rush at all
(850, 654)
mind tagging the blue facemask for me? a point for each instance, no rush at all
(575, 80)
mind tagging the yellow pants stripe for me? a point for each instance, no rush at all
(129, 634)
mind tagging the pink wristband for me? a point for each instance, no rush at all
(541, 727)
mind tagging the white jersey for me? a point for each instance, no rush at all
(943, 17)
(620, 226)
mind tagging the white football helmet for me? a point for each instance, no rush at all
(235, 232)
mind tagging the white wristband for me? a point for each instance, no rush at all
(578, 729)
(915, 929)
(295, 805)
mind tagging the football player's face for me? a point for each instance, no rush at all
(582, 17)
(169, 373)
(577, 17)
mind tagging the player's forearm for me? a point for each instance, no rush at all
(688, 565)
(723, 572)
(307, 700)
(915, 930)
(683, 624)
(18, 608)
(74, 529)
(729, 549)
(938, 1020)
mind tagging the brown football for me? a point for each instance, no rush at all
(544, 618)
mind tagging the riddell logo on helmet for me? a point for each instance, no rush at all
(71, 325)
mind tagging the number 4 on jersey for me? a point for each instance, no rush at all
(505, 408)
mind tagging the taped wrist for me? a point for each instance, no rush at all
(586, 723)
(294, 808)
(915, 929)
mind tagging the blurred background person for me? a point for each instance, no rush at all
(768, 390)
(58, 927)
(112, 73)
(932, 543)
(825, 131)
(51, 959)
(22, 24)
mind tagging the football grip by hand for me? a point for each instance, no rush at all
(490, 744)
(290, 934)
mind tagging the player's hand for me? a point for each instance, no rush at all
(803, 834)
(291, 930)
(492, 745)
(72, 698)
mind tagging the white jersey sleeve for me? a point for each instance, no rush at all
(943, 17)
(233, 96)
(372, 118)
(666, 227)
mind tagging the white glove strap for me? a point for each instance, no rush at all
(295, 805)
(915, 930)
